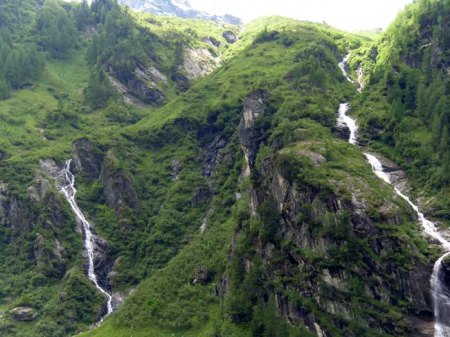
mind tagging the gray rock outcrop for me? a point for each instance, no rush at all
(23, 314)
(229, 36)
(86, 158)
(117, 189)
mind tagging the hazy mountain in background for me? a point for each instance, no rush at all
(180, 8)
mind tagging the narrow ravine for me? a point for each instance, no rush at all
(70, 192)
(441, 296)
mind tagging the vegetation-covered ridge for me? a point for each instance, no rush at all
(405, 111)
(209, 161)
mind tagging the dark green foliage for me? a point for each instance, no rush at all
(120, 114)
(411, 72)
(55, 30)
(267, 322)
(21, 63)
(82, 15)
(21, 67)
(120, 45)
(270, 220)
(17, 17)
(99, 90)
(266, 36)
(61, 117)
(4, 88)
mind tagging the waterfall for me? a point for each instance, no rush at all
(89, 237)
(343, 66)
(441, 295)
(351, 124)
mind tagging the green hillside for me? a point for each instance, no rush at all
(405, 111)
(225, 199)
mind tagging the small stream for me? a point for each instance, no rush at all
(70, 192)
(441, 297)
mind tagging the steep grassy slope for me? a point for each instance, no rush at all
(303, 234)
(404, 110)
(41, 256)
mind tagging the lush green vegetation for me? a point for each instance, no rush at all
(57, 85)
(405, 110)
(53, 99)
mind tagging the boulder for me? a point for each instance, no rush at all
(23, 314)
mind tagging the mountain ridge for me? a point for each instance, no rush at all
(228, 203)
(179, 8)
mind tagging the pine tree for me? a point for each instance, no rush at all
(82, 15)
(56, 30)
(4, 88)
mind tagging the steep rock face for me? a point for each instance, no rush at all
(87, 159)
(200, 196)
(303, 210)
(14, 214)
(142, 86)
(103, 262)
(249, 135)
(48, 256)
(91, 162)
(213, 154)
(5, 200)
(123, 91)
(230, 36)
(250, 138)
(198, 63)
(18, 219)
(118, 191)
(39, 189)
(396, 174)
(341, 130)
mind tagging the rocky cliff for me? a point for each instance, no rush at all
(336, 237)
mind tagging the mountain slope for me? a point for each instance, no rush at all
(225, 199)
(297, 224)
(405, 111)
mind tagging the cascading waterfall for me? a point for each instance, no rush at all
(441, 296)
(351, 124)
(89, 238)
(343, 66)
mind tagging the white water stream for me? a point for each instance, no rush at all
(89, 238)
(441, 296)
